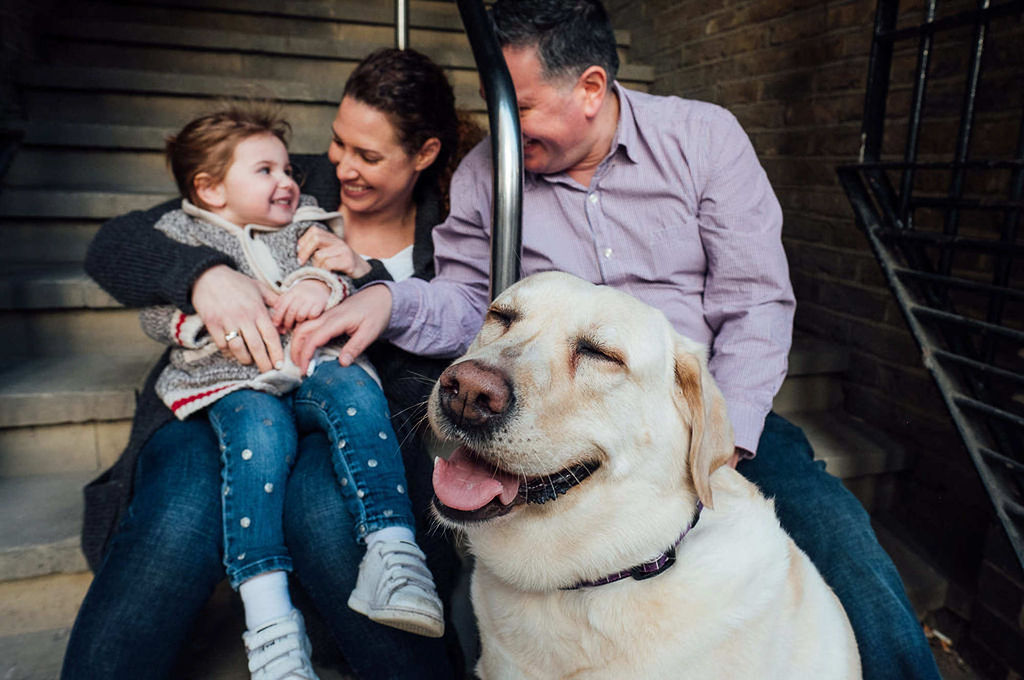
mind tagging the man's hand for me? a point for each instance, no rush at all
(362, 317)
(232, 303)
(305, 300)
(325, 250)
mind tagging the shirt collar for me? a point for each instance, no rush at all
(626, 133)
(624, 140)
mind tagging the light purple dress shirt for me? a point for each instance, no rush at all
(679, 214)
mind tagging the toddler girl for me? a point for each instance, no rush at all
(232, 168)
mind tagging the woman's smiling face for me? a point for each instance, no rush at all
(375, 172)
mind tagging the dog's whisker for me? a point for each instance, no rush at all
(415, 376)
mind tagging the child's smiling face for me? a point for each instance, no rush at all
(258, 187)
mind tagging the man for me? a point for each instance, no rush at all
(665, 199)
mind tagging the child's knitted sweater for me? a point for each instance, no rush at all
(198, 374)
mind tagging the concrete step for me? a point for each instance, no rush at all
(300, 16)
(439, 15)
(813, 381)
(431, 23)
(33, 656)
(850, 447)
(65, 448)
(31, 652)
(863, 457)
(120, 138)
(43, 521)
(70, 389)
(308, 53)
(54, 204)
(927, 589)
(125, 96)
(67, 414)
(280, 38)
(91, 169)
(56, 332)
(95, 80)
(50, 285)
(167, 109)
(44, 240)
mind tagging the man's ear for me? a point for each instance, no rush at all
(592, 85)
(427, 154)
(210, 192)
(711, 438)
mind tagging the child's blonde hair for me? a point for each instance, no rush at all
(207, 144)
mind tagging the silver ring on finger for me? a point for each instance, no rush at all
(228, 337)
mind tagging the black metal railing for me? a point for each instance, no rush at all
(943, 215)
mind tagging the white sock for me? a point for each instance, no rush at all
(392, 533)
(265, 597)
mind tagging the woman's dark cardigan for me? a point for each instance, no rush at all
(140, 266)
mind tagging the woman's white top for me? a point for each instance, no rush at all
(398, 265)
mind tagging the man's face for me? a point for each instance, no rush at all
(550, 113)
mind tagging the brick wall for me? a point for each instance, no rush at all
(794, 74)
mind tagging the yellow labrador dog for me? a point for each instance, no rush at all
(611, 539)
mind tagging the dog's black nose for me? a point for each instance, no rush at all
(475, 395)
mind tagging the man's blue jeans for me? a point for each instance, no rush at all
(165, 560)
(828, 523)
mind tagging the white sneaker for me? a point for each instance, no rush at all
(395, 588)
(280, 649)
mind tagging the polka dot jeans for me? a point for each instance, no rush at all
(257, 444)
(347, 404)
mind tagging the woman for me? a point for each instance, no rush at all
(152, 531)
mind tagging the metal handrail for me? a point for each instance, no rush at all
(401, 24)
(506, 146)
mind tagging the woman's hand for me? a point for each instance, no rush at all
(325, 250)
(305, 300)
(234, 309)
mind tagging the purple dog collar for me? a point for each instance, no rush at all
(647, 569)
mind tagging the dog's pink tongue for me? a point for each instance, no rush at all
(462, 483)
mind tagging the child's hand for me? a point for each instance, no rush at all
(325, 250)
(307, 299)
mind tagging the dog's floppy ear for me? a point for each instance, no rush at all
(711, 439)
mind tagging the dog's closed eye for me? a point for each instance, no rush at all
(502, 315)
(586, 348)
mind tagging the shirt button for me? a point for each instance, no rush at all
(608, 253)
(593, 198)
(246, 454)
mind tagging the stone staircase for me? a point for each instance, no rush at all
(111, 80)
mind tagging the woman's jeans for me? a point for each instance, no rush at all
(828, 523)
(257, 433)
(165, 560)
